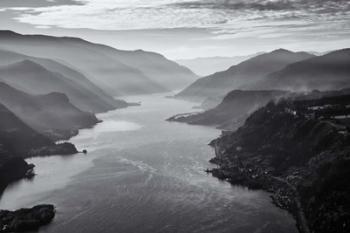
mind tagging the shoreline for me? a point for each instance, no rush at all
(14, 169)
(283, 194)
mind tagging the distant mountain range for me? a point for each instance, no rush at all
(35, 79)
(88, 98)
(241, 75)
(280, 70)
(327, 72)
(205, 66)
(297, 75)
(115, 71)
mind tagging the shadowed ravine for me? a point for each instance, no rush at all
(144, 174)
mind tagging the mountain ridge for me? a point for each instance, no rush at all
(241, 75)
(111, 69)
(326, 72)
(34, 78)
(98, 97)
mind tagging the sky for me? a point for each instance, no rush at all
(188, 28)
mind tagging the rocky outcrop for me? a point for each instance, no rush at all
(24, 220)
(300, 151)
(65, 148)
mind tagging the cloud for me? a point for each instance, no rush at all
(265, 5)
(37, 3)
(119, 15)
(227, 19)
(260, 5)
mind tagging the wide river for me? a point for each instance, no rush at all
(144, 175)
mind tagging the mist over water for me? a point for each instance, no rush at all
(144, 174)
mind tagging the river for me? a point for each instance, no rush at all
(143, 174)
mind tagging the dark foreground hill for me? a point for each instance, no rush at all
(26, 220)
(300, 151)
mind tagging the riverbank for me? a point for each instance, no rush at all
(14, 169)
(284, 195)
(18, 142)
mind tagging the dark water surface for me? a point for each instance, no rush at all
(143, 174)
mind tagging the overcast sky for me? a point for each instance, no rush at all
(188, 28)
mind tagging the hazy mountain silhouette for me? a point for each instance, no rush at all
(159, 69)
(327, 72)
(241, 75)
(115, 71)
(99, 101)
(205, 66)
(51, 114)
(33, 78)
